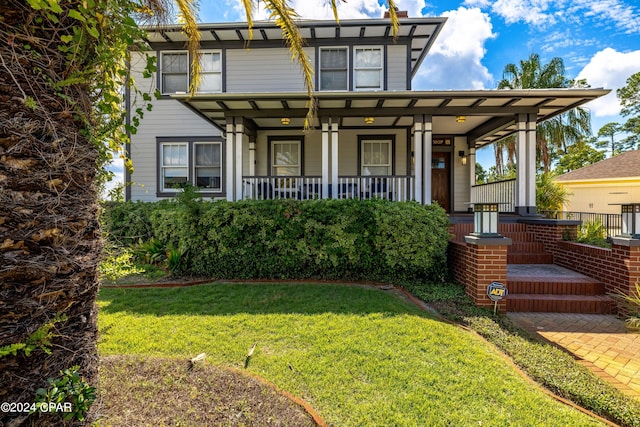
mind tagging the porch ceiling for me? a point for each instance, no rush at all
(489, 114)
(421, 31)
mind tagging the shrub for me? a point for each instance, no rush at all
(593, 233)
(291, 239)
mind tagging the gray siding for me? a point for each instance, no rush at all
(397, 67)
(167, 118)
(264, 70)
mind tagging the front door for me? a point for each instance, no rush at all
(440, 179)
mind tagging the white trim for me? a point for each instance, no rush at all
(325, 159)
(195, 166)
(298, 164)
(427, 158)
(380, 68)
(162, 73)
(417, 155)
(346, 49)
(334, 157)
(164, 167)
(380, 140)
(239, 136)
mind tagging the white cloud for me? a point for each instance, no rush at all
(609, 69)
(621, 14)
(530, 11)
(454, 61)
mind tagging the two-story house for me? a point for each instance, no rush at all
(242, 135)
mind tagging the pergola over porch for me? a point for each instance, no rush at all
(482, 117)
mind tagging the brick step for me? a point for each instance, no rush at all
(529, 258)
(593, 304)
(555, 286)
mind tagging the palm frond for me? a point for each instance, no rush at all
(189, 18)
(284, 17)
(248, 8)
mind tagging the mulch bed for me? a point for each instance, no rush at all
(150, 391)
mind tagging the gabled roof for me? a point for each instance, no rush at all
(625, 165)
(421, 31)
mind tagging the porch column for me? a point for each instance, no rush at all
(230, 159)
(427, 156)
(417, 155)
(526, 164)
(334, 156)
(472, 167)
(252, 156)
(239, 163)
(325, 159)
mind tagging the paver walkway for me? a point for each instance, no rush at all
(600, 342)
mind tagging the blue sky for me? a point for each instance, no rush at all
(599, 40)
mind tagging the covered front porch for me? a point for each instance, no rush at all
(400, 146)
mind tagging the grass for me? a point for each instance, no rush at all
(548, 365)
(360, 356)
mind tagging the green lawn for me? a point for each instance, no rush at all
(360, 356)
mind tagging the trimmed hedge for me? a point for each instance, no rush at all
(289, 239)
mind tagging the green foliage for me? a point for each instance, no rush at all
(629, 96)
(350, 239)
(550, 196)
(151, 252)
(593, 233)
(118, 263)
(40, 339)
(632, 305)
(68, 387)
(578, 155)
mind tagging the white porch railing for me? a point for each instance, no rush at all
(281, 187)
(501, 192)
(399, 188)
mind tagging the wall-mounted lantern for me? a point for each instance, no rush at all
(485, 220)
(463, 157)
(631, 220)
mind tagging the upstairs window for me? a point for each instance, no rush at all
(334, 69)
(175, 74)
(211, 73)
(367, 68)
(174, 67)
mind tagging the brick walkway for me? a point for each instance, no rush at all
(600, 342)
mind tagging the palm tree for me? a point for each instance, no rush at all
(62, 67)
(556, 133)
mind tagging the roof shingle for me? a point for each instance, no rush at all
(624, 165)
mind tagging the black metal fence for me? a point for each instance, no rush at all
(612, 222)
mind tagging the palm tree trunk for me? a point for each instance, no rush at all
(49, 235)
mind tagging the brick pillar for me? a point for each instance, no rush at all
(486, 263)
(626, 251)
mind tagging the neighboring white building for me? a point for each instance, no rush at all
(242, 135)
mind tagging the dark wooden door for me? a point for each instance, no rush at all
(440, 182)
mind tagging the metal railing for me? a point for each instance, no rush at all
(399, 188)
(501, 192)
(612, 222)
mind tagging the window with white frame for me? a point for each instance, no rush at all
(174, 166)
(174, 69)
(175, 76)
(285, 158)
(208, 166)
(334, 68)
(198, 163)
(367, 68)
(211, 72)
(376, 157)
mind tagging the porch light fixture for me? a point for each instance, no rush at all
(631, 220)
(369, 120)
(285, 121)
(461, 119)
(485, 220)
(463, 157)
